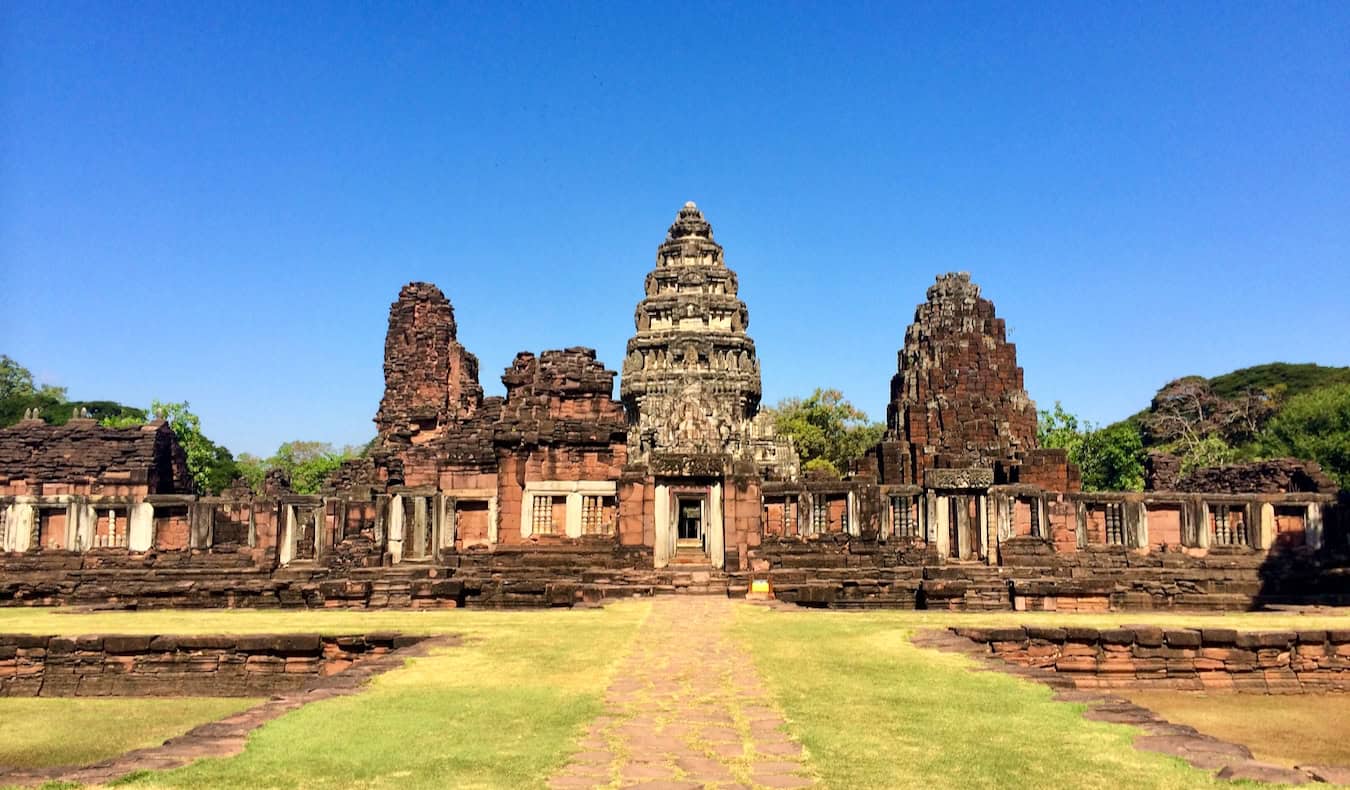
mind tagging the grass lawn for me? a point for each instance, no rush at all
(47, 732)
(507, 707)
(503, 710)
(1286, 730)
(875, 711)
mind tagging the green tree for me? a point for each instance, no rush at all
(252, 468)
(1314, 425)
(210, 465)
(1060, 430)
(827, 430)
(19, 393)
(1110, 458)
(308, 464)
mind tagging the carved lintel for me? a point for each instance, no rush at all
(974, 477)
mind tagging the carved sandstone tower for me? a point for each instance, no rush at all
(957, 401)
(690, 378)
(691, 391)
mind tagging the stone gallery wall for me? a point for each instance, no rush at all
(173, 666)
(1200, 659)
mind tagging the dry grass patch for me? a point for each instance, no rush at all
(1306, 729)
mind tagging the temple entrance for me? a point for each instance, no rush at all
(961, 524)
(689, 523)
(690, 513)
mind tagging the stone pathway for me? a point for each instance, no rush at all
(686, 710)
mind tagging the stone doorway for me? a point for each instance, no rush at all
(961, 523)
(689, 513)
(689, 523)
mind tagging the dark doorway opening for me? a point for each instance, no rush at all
(690, 521)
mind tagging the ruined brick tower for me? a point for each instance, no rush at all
(957, 400)
(690, 378)
(429, 378)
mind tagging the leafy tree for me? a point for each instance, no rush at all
(210, 465)
(19, 393)
(1060, 430)
(252, 468)
(307, 464)
(1314, 425)
(16, 381)
(828, 431)
(1110, 458)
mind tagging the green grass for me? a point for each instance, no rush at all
(47, 732)
(1287, 730)
(502, 710)
(506, 708)
(873, 710)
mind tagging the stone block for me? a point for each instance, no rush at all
(1182, 638)
(126, 645)
(1219, 636)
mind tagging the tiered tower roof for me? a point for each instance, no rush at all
(691, 378)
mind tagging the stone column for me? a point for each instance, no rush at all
(286, 542)
(1141, 513)
(851, 508)
(141, 527)
(985, 530)
(419, 536)
(1264, 538)
(87, 528)
(572, 521)
(20, 527)
(942, 510)
(662, 550)
(492, 521)
(1004, 507)
(1080, 524)
(716, 528)
(963, 547)
(396, 527)
(447, 523)
(1312, 526)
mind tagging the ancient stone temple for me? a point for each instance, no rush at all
(558, 493)
(691, 389)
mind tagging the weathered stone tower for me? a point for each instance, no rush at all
(690, 378)
(957, 401)
(429, 378)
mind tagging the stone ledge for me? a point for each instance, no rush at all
(182, 665)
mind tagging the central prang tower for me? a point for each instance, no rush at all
(691, 378)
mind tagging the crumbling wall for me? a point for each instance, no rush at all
(1278, 476)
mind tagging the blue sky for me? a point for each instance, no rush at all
(217, 202)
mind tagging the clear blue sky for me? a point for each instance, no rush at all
(216, 202)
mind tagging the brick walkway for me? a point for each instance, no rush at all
(686, 710)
